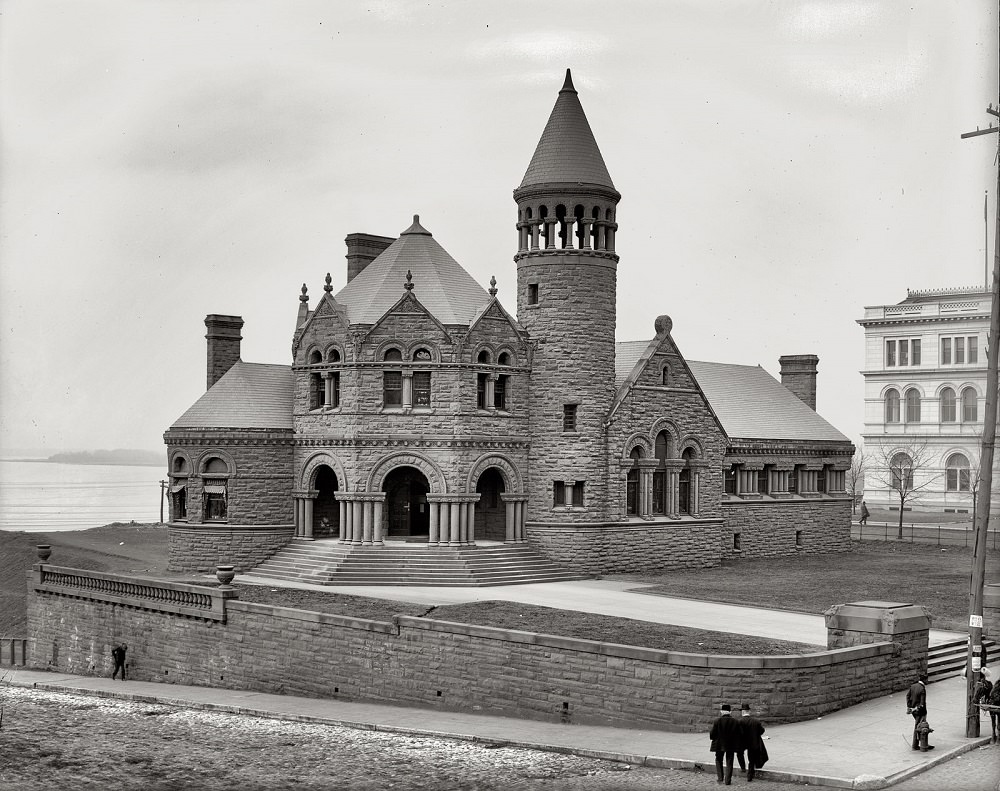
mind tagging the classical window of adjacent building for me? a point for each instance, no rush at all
(972, 344)
(960, 350)
(632, 484)
(948, 406)
(532, 293)
(901, 472)
(912, 405)
(902, 351)
(215, 490)
(502, 385)
(892, 406)
(569, 417)
(946, 351)
(970, 406)
(957, 478)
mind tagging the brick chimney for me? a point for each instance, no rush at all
(798, 374)
(223, 344)
(362, 249)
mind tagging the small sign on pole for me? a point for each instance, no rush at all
(976, 621)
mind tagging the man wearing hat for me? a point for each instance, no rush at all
(753, 731)
(916, 706)
(727, 737)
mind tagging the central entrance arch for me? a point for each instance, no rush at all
(491, 524)
(407, 512)
(326, 510)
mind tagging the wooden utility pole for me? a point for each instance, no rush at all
(163, 488)
(974, 656)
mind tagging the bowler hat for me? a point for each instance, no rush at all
(745, 707)
(726, 707)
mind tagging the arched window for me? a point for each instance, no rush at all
(315, 357)
(901, 472)
(215, 490)
(912, 406)
(684, 499)
(970, 405)
(957, 473)
(948, 412)
(661, 449)
(317, 391)
(333, 356)
(632, 484)
(178, 488)
(501, 387)
(892, 407)
(665, 376)
(392, 381)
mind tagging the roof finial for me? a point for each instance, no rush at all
(568, 85)
(493, 286)
(408, 285)
(328, 287)
(305, 294)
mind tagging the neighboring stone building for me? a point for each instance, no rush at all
(417, 408)
(925, 395)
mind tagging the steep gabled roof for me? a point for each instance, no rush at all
(567, 151)
(448, 292)
(752, 404)
(249, 395)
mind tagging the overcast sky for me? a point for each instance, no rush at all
(782, 164)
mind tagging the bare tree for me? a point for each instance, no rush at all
(906, 469)
(856, 477)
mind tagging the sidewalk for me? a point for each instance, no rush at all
(865, 746)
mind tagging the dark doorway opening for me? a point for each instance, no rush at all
(326, 509)
(407, 512)
(491, 511)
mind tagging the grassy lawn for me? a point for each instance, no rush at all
(919, 573)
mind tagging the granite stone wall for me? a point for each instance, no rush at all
(770, 528)
(200, 548)
(437, 664)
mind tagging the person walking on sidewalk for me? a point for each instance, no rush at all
(727, 737)
(118, 654)
(753, 732)
(864, 514)
(916, 706)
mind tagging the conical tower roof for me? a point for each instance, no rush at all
(567, 151)
(440, 283)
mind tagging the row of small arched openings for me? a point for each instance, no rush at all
(541, 213)
(417, 354)
(907, 409)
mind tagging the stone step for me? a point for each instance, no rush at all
(948, 659)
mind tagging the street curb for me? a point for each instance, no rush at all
(635, 759)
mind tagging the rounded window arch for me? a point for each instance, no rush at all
(180, 466)
(422, 354)
(392, 355)
(901, 472)
(484, 357)
(215, 466)
(503, 358)
(957, 473)
(892, 406)
(970, 405)
(665, 376)
(913, 405)
(215, 489)
(949, 413)
(333, 355)
(315, 356)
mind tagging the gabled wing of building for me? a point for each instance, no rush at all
(752, 404)
(448, 292)
(249, 395)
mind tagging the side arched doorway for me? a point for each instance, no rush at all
(326, 511)
(491, 512)
(407, 512)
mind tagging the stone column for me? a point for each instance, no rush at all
(550, 234)
(377, 527)
(646, 469)
(327, 388)
(601, 242)
(674, 467)
(342, 531)
(570, 234)
(369, 519)
(434, 525)
(407, 389)
(535, 227)
(307, 532)
(522, 515)
(509, 513)
(470, 508)
(779, 481)
(491, 389)
(357, 522)
(456, 525)
(568, 486)
(586, 222)
(522, 236)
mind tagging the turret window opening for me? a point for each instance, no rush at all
(545, 229)
(561, 216)
(532, 293)
(596, 235)
(178, 488)
(215, 490)
(581, 234)
(569, 418)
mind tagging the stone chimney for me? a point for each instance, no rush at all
(798, 374)
(223, 344)
(362, 249)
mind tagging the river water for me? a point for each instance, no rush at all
(38, 496)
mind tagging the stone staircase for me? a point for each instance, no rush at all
(328, 562)
(948, 659)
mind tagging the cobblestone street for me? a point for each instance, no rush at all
(51, 739)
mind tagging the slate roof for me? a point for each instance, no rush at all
(440, 283)
(567, 150)
(749, 402)
(752, 404)
(248, 395)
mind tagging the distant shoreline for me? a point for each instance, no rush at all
(94, 462)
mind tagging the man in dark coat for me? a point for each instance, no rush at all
(753, 731)
(118, 654)
(916, 706)
(727, 738)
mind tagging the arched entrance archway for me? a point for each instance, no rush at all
(491, 512)
(407, 512)
(326, 511)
